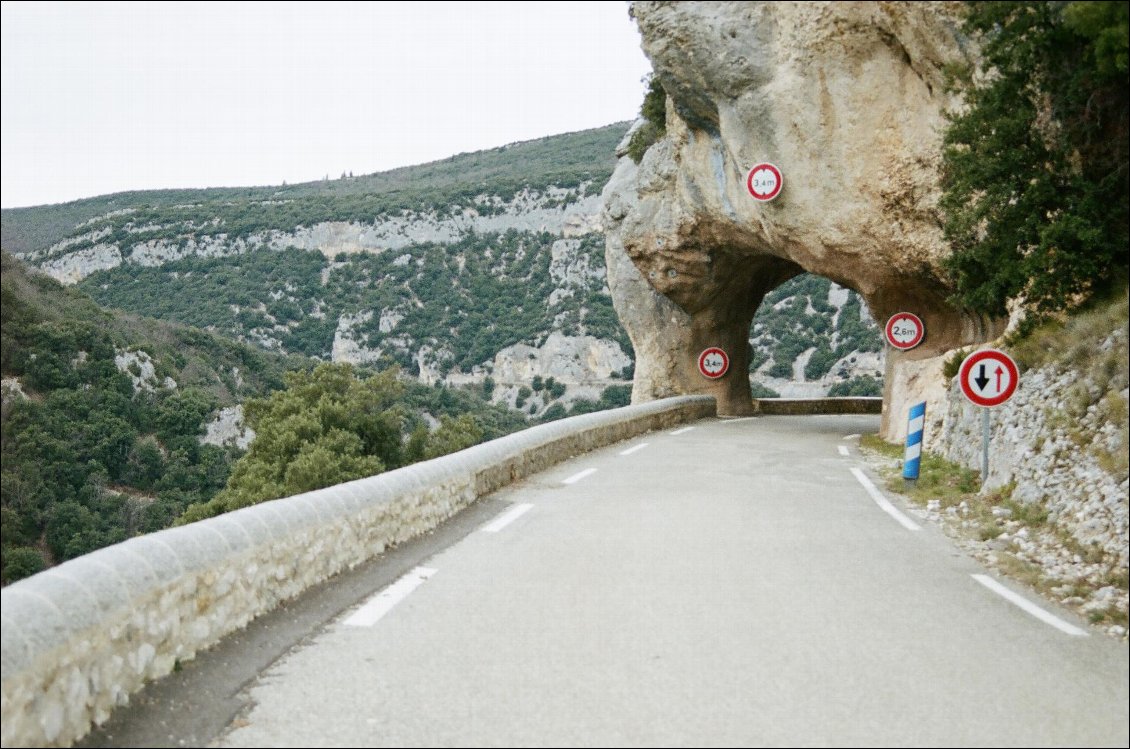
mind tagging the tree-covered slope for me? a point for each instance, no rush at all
(102, 415)
(105, 415)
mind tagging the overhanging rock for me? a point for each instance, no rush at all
(848, 100)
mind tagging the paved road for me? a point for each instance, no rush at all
(730, 584)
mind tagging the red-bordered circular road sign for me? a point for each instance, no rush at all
(905, 330)
(713, 363)
(764, 182)
(988, 377)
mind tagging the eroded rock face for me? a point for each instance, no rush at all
(847, 99)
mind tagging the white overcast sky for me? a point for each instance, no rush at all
(102, 97)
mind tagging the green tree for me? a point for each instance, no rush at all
(326, 427)
(21, 562)
(1035, 171)
(452, 435)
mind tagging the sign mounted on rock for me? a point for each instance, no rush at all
(764, 182)
(988, 378)
(905, 330)
(713, 363)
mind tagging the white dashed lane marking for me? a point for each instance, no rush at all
(383, 602)
(507, 518)
(578, 476)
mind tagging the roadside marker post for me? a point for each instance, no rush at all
(915, 426)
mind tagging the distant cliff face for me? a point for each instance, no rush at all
(847, 99)
(564, 212)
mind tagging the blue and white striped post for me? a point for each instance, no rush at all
(914, 428)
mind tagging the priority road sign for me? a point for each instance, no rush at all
(904, 330)
(764, 182)
(713, 363)
(988, 377)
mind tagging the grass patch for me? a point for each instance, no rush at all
(1070, 342)
(938, 478)
(1021, 570)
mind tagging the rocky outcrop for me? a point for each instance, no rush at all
(75, 266)
(142, 371)
(227, 428)
(568, 359)
(847, 99)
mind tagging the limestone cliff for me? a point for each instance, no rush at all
(847, 99)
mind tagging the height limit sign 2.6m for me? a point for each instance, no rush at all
(904, 331)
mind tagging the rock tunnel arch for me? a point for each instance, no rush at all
(848, 100)
(674, 306)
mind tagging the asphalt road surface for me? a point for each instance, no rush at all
(729, 584)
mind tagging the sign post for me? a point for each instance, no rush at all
(713, 363)
(988, 378)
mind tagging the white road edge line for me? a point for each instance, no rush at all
(843, 450)
(851, 437)
(578, 476)
(383, 602)
(1029, 607)
(684, 430)
(507, 518)
(883, 502)
(635, 449)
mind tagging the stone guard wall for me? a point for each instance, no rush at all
(79, 638)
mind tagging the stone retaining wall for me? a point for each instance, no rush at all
(816, 406)
(79, 638)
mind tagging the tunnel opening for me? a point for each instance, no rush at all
(813, 338)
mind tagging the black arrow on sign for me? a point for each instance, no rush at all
(981, 379)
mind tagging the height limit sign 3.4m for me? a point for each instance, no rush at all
(988, 378)
(764, 182)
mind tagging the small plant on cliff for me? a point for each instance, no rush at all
(1036, 171)
(654, 110)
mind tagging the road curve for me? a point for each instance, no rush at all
(729, 584)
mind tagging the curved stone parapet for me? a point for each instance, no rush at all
(79, 638)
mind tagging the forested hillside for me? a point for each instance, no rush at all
(102, 415)
(107, 422)
(565, 161)
(482, 265)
